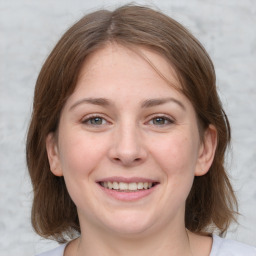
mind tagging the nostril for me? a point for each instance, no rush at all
(127, 161)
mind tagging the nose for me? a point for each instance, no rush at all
(127, 146)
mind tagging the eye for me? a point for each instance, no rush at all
(94, 121)
(161, 121)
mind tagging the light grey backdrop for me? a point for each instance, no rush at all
(28, 31)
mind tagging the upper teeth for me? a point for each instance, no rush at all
(126, 186)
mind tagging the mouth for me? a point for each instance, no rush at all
(127, 187)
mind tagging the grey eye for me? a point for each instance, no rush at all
(96, 121)
(161, 121)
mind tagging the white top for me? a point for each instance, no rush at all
(220, 247)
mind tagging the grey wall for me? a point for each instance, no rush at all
(29, 30)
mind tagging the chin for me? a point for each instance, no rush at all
(130, 223)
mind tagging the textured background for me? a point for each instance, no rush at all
(28, 31)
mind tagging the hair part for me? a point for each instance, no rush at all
(211, 203)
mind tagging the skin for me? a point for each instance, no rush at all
(130, 134)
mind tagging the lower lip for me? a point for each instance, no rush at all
(128, 196)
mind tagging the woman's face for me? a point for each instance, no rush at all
(128, 144)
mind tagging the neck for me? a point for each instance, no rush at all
(162, 244)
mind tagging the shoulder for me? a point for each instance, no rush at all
(224, 247)
(59, 251)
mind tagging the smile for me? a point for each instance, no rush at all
(127, 187)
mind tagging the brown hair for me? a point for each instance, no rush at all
(211, 203)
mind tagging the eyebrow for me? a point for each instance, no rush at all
(95, 101)
(145, 104)
(156, 102)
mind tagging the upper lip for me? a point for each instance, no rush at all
(127, 180)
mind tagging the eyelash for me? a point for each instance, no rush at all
(163, 118)
(167, 120)
(93, 117)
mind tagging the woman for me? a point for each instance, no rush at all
(127, 140)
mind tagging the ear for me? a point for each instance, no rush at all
(206, 151)
(53, 154)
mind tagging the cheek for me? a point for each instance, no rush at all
(79, 156)
(175, 154)
(177, 159)
(80, 153)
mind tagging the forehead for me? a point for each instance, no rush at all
(140, 61)
(131, 74)
(125, 78)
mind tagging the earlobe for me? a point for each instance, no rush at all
(206, 151)
(53, 154)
